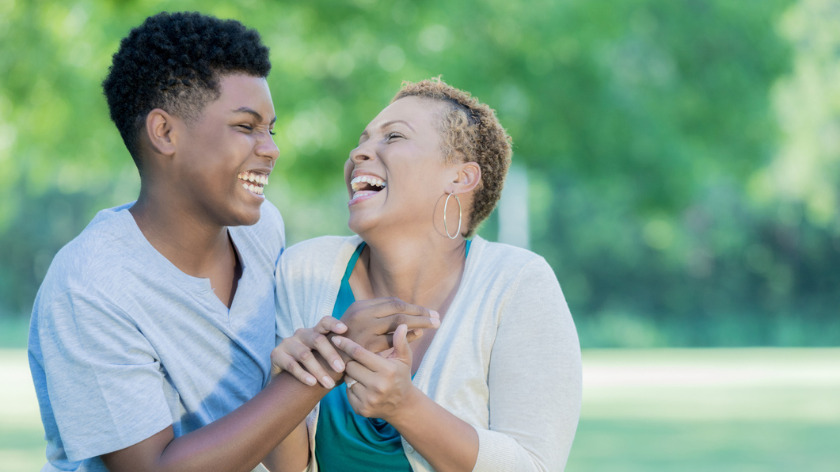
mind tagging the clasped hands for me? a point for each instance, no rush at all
(373, 355)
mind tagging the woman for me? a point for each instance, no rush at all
(498, 385)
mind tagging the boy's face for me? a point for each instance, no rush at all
(223, 158)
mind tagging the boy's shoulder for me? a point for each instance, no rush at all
(101, 245)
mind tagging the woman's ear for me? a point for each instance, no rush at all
(468, 177)
(160, 132)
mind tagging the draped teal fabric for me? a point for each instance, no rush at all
(348, 442)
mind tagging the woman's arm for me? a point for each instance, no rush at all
(534, 379)
(292, 455)
(369, 322)
(381, 388)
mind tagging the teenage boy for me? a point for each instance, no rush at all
(151, 334)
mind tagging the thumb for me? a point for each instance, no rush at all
(328, 324)
(402, 351)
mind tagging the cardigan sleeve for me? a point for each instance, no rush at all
(534, 378)
(288, 312)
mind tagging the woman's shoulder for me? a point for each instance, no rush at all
(501, 254)
(323, 249)
(509, 266)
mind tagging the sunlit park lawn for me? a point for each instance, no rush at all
(644, 410)
(709, 410)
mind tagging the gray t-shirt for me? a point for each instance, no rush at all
(123, 344)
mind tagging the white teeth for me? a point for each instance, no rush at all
(260, 179)
(355, 184)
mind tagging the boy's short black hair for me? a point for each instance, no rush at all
(173, 61)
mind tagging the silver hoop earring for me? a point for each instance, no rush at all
(445, 228)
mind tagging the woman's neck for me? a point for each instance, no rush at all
(424, 272)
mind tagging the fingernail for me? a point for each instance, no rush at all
(336, 341)
(310, 380)
(435, 322)
(328, 382)
(434, 314)
(339, 366)
(341, 325)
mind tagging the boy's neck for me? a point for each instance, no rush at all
(192, 245)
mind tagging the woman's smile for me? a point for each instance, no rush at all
(364, 186)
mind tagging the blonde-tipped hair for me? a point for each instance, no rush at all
(470, 132)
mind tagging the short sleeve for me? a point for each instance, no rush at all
(104, 380)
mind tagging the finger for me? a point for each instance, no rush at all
(383, 307)
(303, 355)
(386, 354)
(328, 324)
(411, 321)
(414, 334)
(354, 393)
(328, 352)
(362, 356)
(280, 358)
(315, 368)
(361, 376)
(402, 351)
(350, 381)
(285, 362)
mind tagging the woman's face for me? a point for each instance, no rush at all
(397, 174)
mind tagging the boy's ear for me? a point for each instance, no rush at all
(159, 130)
(467, 178)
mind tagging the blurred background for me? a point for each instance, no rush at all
(676, 161)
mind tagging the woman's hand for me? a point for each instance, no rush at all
(295, 354)
(377, 386)
(371, 323)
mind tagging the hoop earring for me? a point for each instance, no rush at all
(445, 228)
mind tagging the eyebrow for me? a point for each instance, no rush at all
(385, 125)
(254, 113)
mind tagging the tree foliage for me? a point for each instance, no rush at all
(665, 141)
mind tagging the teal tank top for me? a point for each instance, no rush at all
(348, 442)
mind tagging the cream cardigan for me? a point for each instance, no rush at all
(506, 358)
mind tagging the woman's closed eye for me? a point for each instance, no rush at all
(393, 135)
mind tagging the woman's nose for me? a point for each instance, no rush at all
(360, 154)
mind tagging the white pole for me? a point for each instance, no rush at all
(513, 209)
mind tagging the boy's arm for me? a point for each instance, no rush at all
(235, 442)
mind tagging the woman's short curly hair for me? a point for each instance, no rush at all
(471, 133)
(173, 61)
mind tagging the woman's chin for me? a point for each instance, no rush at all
(357, 225)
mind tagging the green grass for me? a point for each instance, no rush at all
(686, 410)
(22, 443)
(695, 446)
(709, 410)
(14, 331)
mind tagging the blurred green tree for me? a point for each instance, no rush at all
(664, 141)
